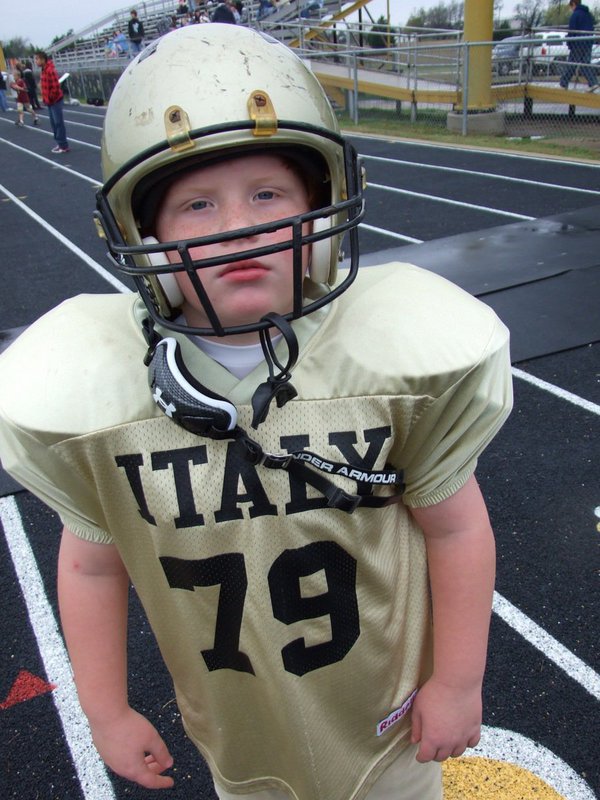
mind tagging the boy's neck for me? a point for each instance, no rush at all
(238, 359)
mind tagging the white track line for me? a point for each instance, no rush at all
(391, 234)
(491, 175)
(557, 391)
(104, 273)
(91, 772)
(448, 201)
(54, 162)
(49, 133)
(552, 649)
(475, 150)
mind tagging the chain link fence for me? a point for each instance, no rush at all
(423, 81)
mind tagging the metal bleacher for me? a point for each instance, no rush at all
(289, 22)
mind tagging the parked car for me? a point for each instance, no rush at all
(551, 52)
(510, 54)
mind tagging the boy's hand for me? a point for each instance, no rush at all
(132, 747)
(445, 720)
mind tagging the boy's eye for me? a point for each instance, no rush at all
(199, 205)
(266, 194)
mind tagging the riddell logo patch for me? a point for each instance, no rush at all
(396, 715)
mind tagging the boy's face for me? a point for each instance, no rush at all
(238, 193)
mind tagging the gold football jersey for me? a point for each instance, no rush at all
(296, 634)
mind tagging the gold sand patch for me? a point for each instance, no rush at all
(475, 778)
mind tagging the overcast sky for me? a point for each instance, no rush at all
(39, 21)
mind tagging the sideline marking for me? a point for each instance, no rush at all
(104, 273)
(471, 150)
(450, 202)
(492, 175)
(391, 234)
(70, 138)
(550, 647)
(91, 772)
(53, 162)
(557, 391)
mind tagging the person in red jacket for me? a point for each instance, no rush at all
(52, 97)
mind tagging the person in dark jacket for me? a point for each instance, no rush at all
(581, 24)
(135, 31)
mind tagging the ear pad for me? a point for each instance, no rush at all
(167, 281)
(323, 262)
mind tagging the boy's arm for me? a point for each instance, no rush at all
(93, 588)
(446, 716)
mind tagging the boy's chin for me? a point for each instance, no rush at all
(234, 318)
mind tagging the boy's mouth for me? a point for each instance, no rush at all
(244, 271)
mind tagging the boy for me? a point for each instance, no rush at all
(53, 98)
(292, 544)
(23, 103)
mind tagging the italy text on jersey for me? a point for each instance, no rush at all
(182, 461)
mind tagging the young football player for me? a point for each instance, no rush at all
(280, 459)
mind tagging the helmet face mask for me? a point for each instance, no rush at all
(200, 95)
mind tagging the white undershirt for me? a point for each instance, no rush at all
(239, 359)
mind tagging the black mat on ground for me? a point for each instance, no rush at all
(552, 315)
(507, 255)
(540, 276)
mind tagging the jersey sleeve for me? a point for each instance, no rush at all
(39, 469)
(453, 428)
(45, 404)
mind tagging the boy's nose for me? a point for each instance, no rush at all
(238, 217)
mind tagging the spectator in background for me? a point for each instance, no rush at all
(135, 30)
(27, 71)
(118, 44)
(52, 97)
(3, 101)
(224, 13)
(182, 9)
(266, 7)
(23, 103)
(164, 25)
(311, 9)
(581, 23)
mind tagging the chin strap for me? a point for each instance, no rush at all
(312, 469)
(276, 387)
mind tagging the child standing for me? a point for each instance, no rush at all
(23, 102)
(315, 560)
